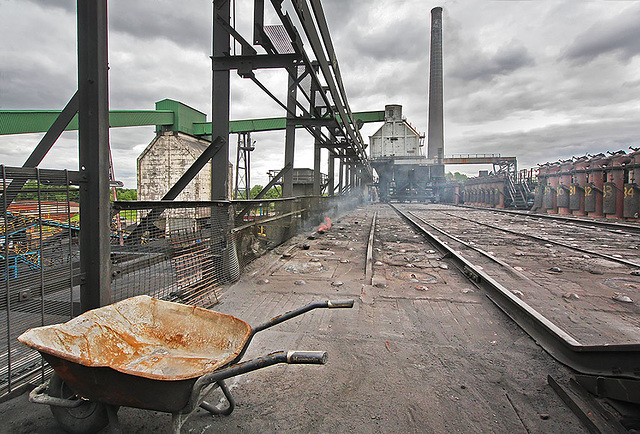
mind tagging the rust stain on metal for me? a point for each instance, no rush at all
(145, 337)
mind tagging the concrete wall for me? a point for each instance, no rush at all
(165, 160)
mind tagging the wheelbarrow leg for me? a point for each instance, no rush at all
(114, 423)
(223, 411)
(177, 420)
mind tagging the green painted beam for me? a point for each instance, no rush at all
(272, 124)
(172, 115)
(39, 121)
(369, 116)
(246, 125)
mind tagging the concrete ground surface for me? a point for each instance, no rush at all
(421, 351)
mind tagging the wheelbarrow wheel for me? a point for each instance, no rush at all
(89, 417)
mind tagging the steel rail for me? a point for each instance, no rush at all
(368, 267)
(575, 220)
(467, 245)
(618, 360)
(550, 241)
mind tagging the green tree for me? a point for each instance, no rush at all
(47, 192)
(273, 193)
(126, 194)
(457, 176)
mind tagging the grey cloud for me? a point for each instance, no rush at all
(553, 142)
(619, 35)
(341, 14)
(404, 40)
(506, 59)
(67, 5)
(186, 23)
(32, 85)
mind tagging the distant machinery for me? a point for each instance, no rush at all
(601, 185)
(404, 173)
(243, 165)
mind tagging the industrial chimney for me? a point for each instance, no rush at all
(435, 144)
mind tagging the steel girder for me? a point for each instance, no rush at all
(93, 139)
(328, 119)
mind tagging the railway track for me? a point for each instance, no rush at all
(573, 220)
(567, 288)
(621, 247)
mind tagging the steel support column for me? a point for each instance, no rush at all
(352, 178)
(341, 177)
(220, 100)
(290, 132)
(347, 177)
(317, 187)
(317, 143)
(93, 138)
(331, 170)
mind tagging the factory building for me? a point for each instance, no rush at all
(171, 152)
(165, 160)
(396, 154)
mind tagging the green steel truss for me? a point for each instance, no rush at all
(169, 116)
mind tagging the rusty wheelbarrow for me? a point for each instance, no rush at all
(149, 354)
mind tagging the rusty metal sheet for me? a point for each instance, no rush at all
(591, 194)
(537, 198)
(576, 196)
(549, 198)
(631, 200)
(609, 193)
(563, 196)
(145, 337)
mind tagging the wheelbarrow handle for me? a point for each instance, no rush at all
(290, 357)
(307, 357)
(337, 304)
(39, 395)
(331, 304)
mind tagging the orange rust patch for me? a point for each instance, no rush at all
(145, 337)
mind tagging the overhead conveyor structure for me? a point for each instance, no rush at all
(316, 98)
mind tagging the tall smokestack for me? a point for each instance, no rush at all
(435, 144)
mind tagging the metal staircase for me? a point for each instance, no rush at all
(517, 194)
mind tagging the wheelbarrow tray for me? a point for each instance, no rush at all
(108, 386)
(140, 352)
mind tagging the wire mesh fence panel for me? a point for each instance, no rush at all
(38, 263)
(180, 254)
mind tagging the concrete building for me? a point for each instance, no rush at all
(167, 158)
(396, 153)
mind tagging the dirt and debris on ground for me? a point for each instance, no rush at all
(421, 351)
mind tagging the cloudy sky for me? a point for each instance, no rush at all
(541, 80)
